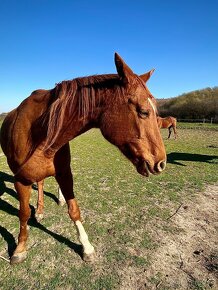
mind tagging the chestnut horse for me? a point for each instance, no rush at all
(35, 136)
(168, 123)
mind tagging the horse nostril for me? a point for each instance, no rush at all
(161, 165)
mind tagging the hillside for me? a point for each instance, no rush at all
(200, 104)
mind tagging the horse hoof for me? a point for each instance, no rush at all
(18, 258)
(89, 258)
(39, 216)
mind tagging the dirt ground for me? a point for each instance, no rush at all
(188, 260)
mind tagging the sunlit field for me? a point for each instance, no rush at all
(124, 215)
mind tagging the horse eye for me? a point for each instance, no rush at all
(143, 113)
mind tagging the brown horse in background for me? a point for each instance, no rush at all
(35, 136)
(168, 123)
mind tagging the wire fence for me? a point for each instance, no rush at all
(211, 120)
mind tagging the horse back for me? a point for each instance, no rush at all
(166, 122)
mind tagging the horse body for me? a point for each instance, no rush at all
(17, 138)
(35, 136)
(168, 123)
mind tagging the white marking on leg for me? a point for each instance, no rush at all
(83, 237)
(61, 198)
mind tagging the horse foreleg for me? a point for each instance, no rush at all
(175, 132)
(66, 184)
(170, 131)
(40, 201)
(88, 249)
(20, 252)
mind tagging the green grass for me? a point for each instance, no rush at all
(199, 126)
(121, 209)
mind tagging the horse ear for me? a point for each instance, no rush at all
(123, 70)
(145, 77)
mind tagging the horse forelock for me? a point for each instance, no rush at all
(150, 97)
(151, 101)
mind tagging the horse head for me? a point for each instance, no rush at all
(130, 121)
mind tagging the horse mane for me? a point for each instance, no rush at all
(76, 99)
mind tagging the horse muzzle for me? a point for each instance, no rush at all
(144, 168)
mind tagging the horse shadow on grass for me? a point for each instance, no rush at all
(10, 209)
(178, 157)
(4, 177)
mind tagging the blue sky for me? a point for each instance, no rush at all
(43, 42)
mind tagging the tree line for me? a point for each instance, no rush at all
(200, 104)
(2, 116)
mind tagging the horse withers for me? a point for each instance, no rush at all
(35, 136)
(168, 123)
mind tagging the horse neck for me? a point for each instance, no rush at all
(86, 116)
(159, 121)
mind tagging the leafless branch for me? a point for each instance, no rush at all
(175, 211)
(3, 258)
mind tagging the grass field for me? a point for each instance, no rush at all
(125, 215)
(198, 126)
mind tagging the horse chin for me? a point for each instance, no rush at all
(143, 168)
(141, 165)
